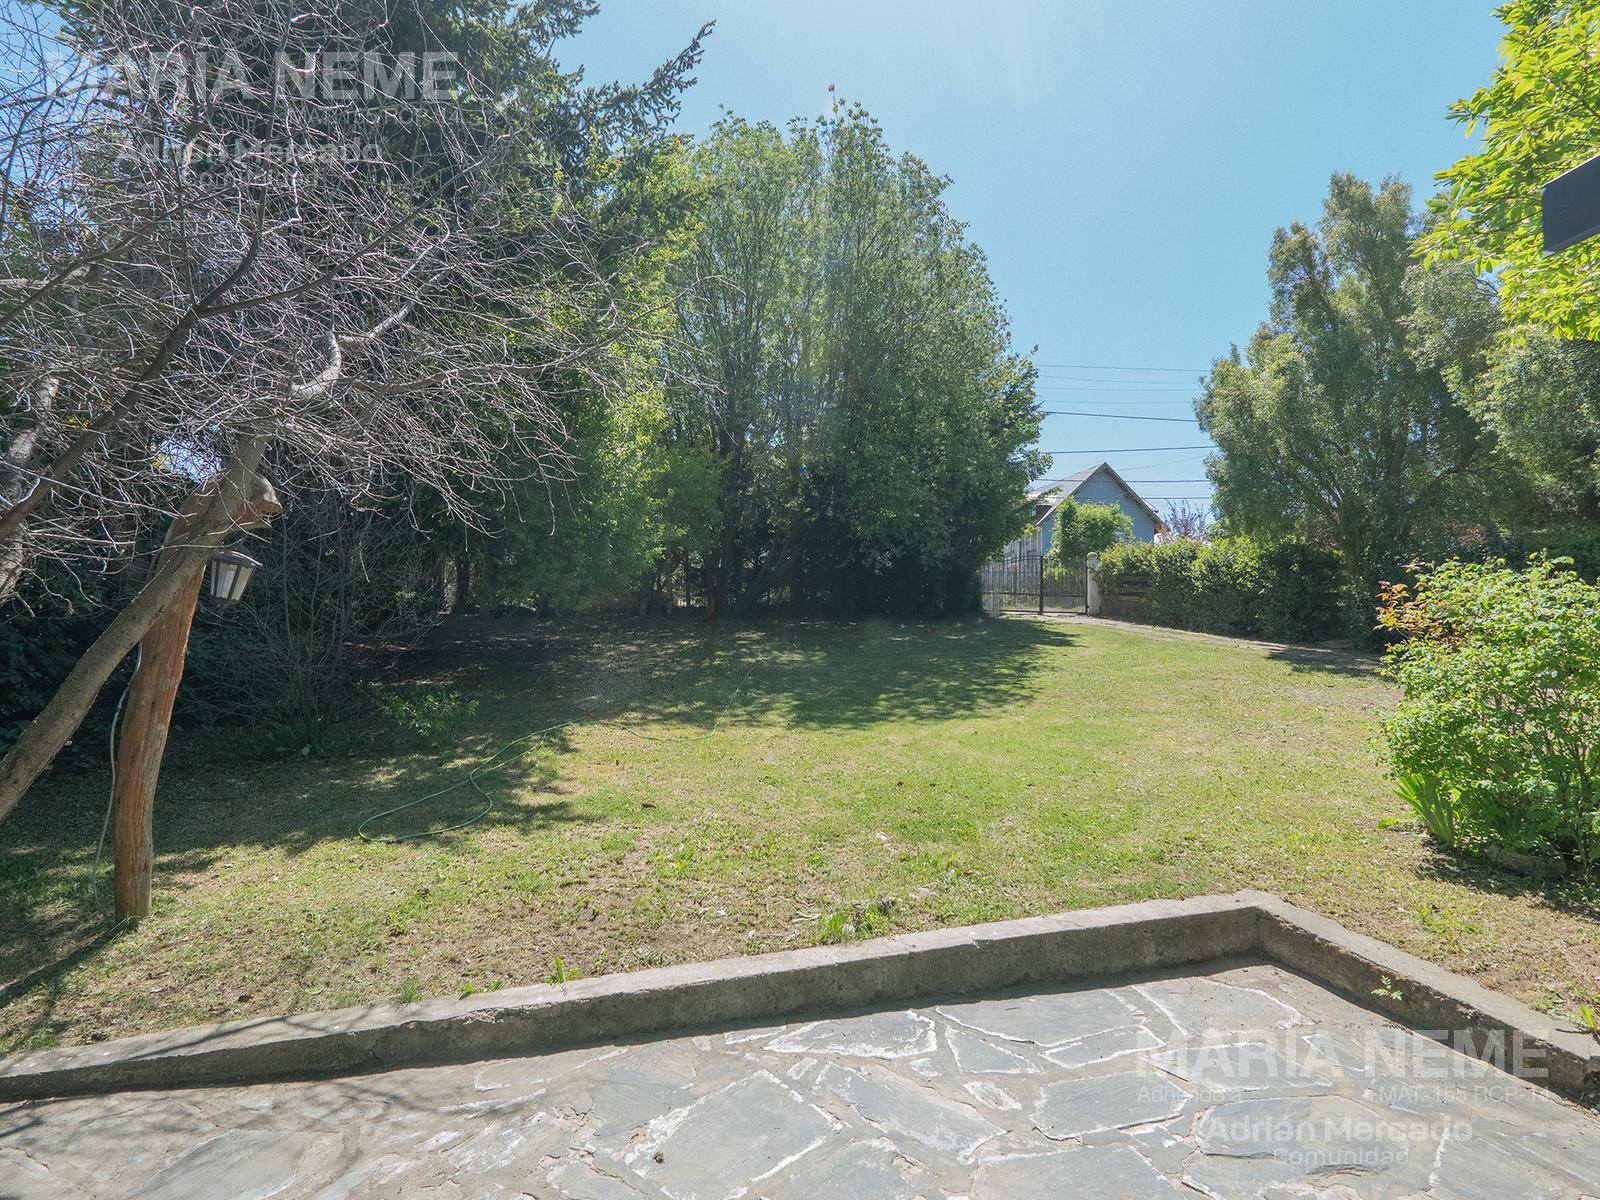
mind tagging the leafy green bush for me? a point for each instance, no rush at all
(1228, 588)
(1581, 547)
(1174, 587)
(1500, 720)
(1301, 588)
(424, 718)
(35, 655)
(39, 648)
(1084, 529)
(1128, 569)
(1234, 586)
(1571, 548)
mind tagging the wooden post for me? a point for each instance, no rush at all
(147, 714)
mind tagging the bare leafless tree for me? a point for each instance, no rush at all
(341, 592)
(247, 230)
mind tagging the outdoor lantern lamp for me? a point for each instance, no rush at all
(229, 573)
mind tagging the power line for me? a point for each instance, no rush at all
(1067, 412)
(1106, 402)
(1103, 367)
(1130, 450)
(1150, 466)
(1142, 383)
(1144, 389)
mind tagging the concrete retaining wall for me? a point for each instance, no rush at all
(1066, 948)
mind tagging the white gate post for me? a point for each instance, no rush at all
(1092, 584)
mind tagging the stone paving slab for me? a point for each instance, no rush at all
(1244, 1082)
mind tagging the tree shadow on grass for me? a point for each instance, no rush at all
(47, 982)
(1329, 662)
(656, 676)
(556, 677)
(815, 675)
(291, 804)
(54, 917)
(1576, 895)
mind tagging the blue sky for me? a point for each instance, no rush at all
(1123, 162)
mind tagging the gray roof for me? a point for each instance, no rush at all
(1070, 484)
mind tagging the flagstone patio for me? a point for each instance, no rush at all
(1243, 1082)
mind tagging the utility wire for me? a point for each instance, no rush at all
(1130, 450)
(1108, 402)
(1158, 389)
(1044, 366)
(1103, 367)
(1151, 466)
(1068, 412)
(1135, 383)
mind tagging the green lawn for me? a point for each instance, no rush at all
(863, 778)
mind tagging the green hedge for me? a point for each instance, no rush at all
(38, 648)
(1581, 545)
(1286, 592)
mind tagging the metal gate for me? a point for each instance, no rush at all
(1031, 583)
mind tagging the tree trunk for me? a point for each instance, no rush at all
(209, 518)
(1361, 591)
(721, 582)
(148, 716)
(143, 741)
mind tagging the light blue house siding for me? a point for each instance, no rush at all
(1097, 486)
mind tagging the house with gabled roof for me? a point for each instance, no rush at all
(1096, 485)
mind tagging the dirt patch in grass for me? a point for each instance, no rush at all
(752, 788)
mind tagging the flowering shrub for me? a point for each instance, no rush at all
(1500, 720)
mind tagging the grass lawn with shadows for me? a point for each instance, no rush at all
(763, 786)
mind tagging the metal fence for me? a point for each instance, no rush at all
(1030, 583)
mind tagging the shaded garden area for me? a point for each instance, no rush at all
(751, 787)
